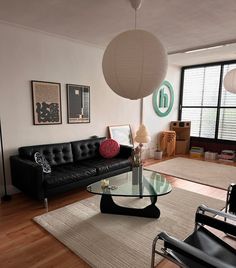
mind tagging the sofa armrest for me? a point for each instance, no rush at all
(27, 176)
(125, 151)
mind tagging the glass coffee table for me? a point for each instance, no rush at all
(152, 185)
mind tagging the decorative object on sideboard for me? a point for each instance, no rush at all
(6, 196)
(122, 134)
(230, 81)
(46, 103)
(78, 104)
(135, 62)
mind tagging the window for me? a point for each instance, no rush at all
(204, 101)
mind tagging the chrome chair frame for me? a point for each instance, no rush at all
(229, 196)
(201, 213)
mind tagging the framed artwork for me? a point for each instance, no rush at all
(46, 98)
(122, 134)
(78, 104)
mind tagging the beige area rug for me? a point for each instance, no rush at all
(208, 173)
(116, 241)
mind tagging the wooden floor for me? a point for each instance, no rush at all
(25, 244)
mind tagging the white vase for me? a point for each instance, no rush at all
(158, 155)
(137, 174)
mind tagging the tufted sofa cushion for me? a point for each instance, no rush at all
(66, 174)
(103, 165)
(55, 154)
(86, 149)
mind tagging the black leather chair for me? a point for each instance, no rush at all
(231, 199)
(202, 248)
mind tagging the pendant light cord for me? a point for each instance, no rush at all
(141, 100)
(141, 111)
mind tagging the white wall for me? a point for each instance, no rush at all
(152, 121)
(27, 55)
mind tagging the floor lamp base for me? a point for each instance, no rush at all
(6, 197)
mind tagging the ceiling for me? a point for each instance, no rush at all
(180, 24)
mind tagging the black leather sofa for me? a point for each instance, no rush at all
(74, 164)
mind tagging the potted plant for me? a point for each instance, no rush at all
(158, 153)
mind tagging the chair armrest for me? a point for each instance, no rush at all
(224, 226)
(190, 252)
(204, 209)
(231, 199)
(27, 176)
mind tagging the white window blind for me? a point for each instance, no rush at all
(210, 108)
(201, 86)
(203, 121)
(227, 124)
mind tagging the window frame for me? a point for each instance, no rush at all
(218, 107)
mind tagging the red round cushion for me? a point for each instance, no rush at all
(109, 148)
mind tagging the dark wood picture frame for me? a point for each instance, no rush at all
(122, 134)
(46, 98)
(78, 104)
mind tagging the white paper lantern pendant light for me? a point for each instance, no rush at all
(134, 62)
(230, 81)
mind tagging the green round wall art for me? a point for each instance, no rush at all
(163, 99)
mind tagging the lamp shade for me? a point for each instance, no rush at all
(134, 64)
(142, 135)
(230, 81)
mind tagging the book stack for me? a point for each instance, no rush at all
(227, 155)
(211, 156)
(196, 152)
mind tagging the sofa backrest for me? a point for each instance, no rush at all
(85, 149)
(56, 154)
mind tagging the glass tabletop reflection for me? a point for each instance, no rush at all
(152, 184)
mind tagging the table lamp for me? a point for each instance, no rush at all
(142, 136)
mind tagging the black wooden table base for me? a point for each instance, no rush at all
(107, 205)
